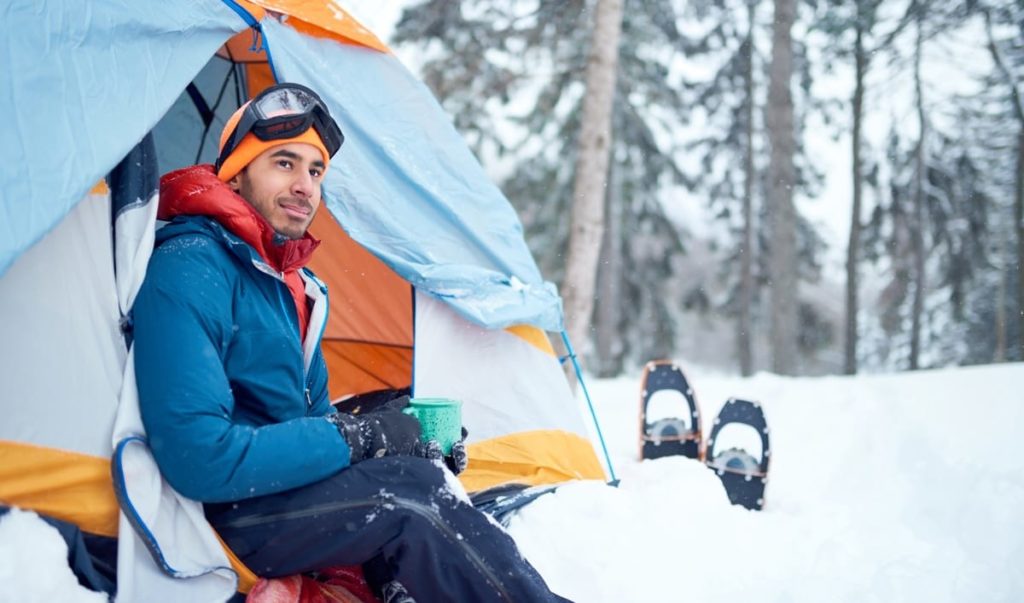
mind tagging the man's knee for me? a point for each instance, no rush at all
(421, 471)
(407, 476)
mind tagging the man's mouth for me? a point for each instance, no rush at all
(296, 210)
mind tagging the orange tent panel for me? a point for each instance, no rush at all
(240, 49)
(314, 18)
(324, 20)
(369, 336)
(358, 368)
(258, 77)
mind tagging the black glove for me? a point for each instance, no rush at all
(386, 432)
(399, 403)
(457, 460)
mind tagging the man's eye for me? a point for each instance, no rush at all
(316, 173)
(284, 163)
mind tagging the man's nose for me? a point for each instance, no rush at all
(302, 185)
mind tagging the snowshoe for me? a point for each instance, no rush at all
(669, 414)
(738, 451)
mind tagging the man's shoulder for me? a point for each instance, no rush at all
(196, 241)
(197, 234)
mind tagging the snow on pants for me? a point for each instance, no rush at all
(438, 546)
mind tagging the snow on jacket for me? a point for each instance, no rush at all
(232, 403)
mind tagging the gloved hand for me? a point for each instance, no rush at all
(456, 461)
(386, 432)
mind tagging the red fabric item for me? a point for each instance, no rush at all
(196, 191)
(351, 578)
(335, 585)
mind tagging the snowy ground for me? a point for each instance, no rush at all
(904, 487)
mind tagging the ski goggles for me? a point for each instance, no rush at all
(281, 112)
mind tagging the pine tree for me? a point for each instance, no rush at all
(1008, 58)
(535, 56)
(731, 148)
(935, 214)
(729, 174)
(839, 20)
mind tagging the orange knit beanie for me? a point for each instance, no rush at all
(250, 147)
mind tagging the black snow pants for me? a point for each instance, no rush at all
(438, 546)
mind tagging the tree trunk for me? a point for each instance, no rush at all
(781, 181)
(586, 221)
(853, 246)
(1018, 197)
(746, 298)
(608, 313)
(999, 351)
(917, 311)
(1018, 217)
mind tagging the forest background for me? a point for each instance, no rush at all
(800, 186)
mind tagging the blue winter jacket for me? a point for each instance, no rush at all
(229, 407)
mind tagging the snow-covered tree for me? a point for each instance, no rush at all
(527, 65)
(851, 27)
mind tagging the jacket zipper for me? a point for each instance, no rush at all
(289, 309)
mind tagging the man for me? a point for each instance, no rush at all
(233, 387)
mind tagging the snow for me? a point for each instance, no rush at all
(904, 487)
(668, 404)
(739, 436)
(33, 563)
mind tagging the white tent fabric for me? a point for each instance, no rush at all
(456, 359)
(166, 551)
(63, 351)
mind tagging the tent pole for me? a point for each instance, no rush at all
(593, 415)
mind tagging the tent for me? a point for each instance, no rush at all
(432, 284)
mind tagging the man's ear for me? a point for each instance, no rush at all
(236, 182)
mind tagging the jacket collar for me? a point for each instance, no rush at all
(196, 191)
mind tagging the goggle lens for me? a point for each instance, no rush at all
(292, 126)
(284, 101)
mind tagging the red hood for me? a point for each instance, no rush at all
(196, 191)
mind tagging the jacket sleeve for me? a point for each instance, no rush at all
(183, 326)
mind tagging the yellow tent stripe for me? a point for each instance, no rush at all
(65, 485)
(530, 457)
(100, 188)
(533, 336)
(72, 487)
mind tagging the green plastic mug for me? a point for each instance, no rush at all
(440, 418)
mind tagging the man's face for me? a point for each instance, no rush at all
(283, 184)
